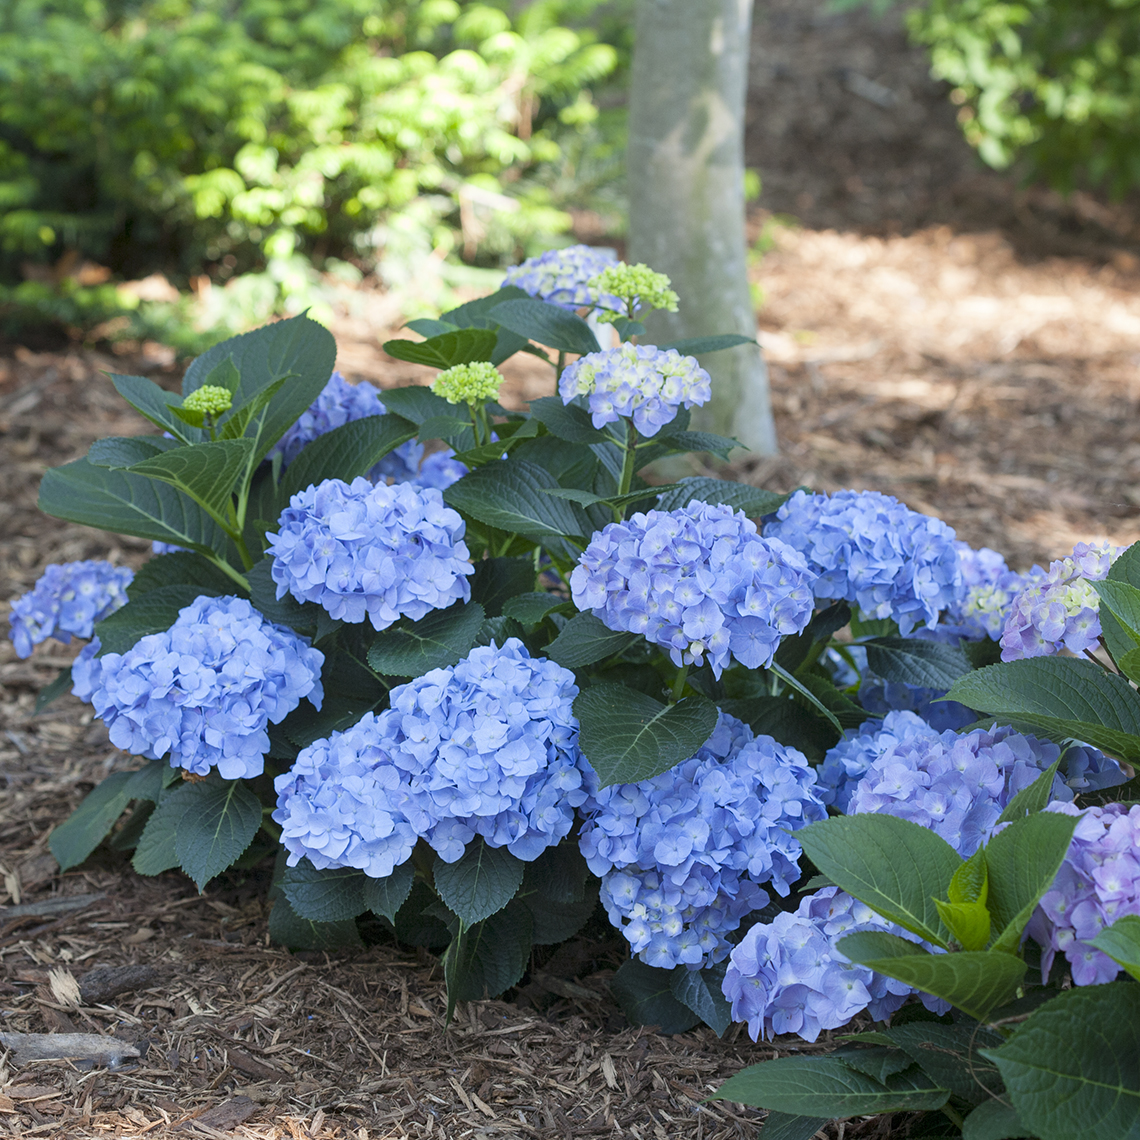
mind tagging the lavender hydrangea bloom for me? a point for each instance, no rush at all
(67, 601)
(879, 696)
(870, 549)
(1058, 610)
(989, 587)
(647, 383)
(486, 747)
(786, 976)
(847, 762)
(340, 403)
(954, 785)
(340, 805)
(561, 277)
(377, 552)
(1098, 882)
(682, 855)
(698, 581)
(205, 689)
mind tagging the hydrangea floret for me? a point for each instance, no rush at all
(66, 601)
(872, 551)
(376, 552)
(698, 581)
(641, 382)
(1098, 883)
(203, 691)
(486, 747)
(562, 276)
(340, 403)
(1058, 610)
(636, 287)
(682, 855)
(786, 976)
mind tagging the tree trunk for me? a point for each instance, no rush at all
(686, 191)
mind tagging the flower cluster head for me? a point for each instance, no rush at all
(205, 689)
(1059, 609)
(209, 400)
(880, 697)
(1098, 882)
(958, 785)
(379, 552)
(440, 470)
(649, 384)
(786, 976)
(845, 764)
(468, 383)
(636, 287)
(698, 581)
(67, 601)
(486, 747)
(871, 550)
(682, 855)
(561, 277)
(338, 404)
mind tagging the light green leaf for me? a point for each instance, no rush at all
(480, 883)
(1074, 697)
(894, 866)
(968, 923)
(1023, 860)
(221, 820)
(411, 649)
(970, 883)
(207, 472)
(628, 736)
(975, 982)
(1072, 1069)
(125, 503)
(1121, 942)
(1122, 600)
(156, 404)
(586, 639)
(509, 496)
(828, 1085)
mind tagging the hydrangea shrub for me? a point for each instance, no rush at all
(467, 669)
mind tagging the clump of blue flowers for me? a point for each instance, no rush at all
(204, 690)
(698, 581)
(786, 976)
(682, 855)
(67, 601)
(646, 383)
(988, 589)
(341, 403)
(869, 549)
(376, 552)
(958, 785)
(1059, 609)
(488, 747)
(845, 764)
(1098, 883)
(562, 276)
(340, 805)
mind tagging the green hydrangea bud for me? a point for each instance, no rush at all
(468, 383)
(638, 285)
(209, 400)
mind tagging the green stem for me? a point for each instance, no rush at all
(474, 414)
(627, 464)
(560, 367)
(954, 1115)
(270, 828)
(679, 684)
(229, 571)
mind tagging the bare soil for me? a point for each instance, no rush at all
(932, 331)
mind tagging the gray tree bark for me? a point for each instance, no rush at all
(686, 190)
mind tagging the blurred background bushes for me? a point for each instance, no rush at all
(286, 146)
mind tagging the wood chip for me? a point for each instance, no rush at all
(224, 1116)
(105, 982)
(92, 1048)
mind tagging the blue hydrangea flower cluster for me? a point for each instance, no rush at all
(439, 470)
(379, 552)
(341, 403)
(340, 805)
(85, 670)
(66, 602)
(957, 785)
(871, 550)
(682, 855)
(988, 589)
(847, 762)
(698, 581)
(487, 747)
(561, 277)
(1098, 883)
(1058, 610)
(880, 697)
(647, 383)
(205, 689)
(786, 976)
